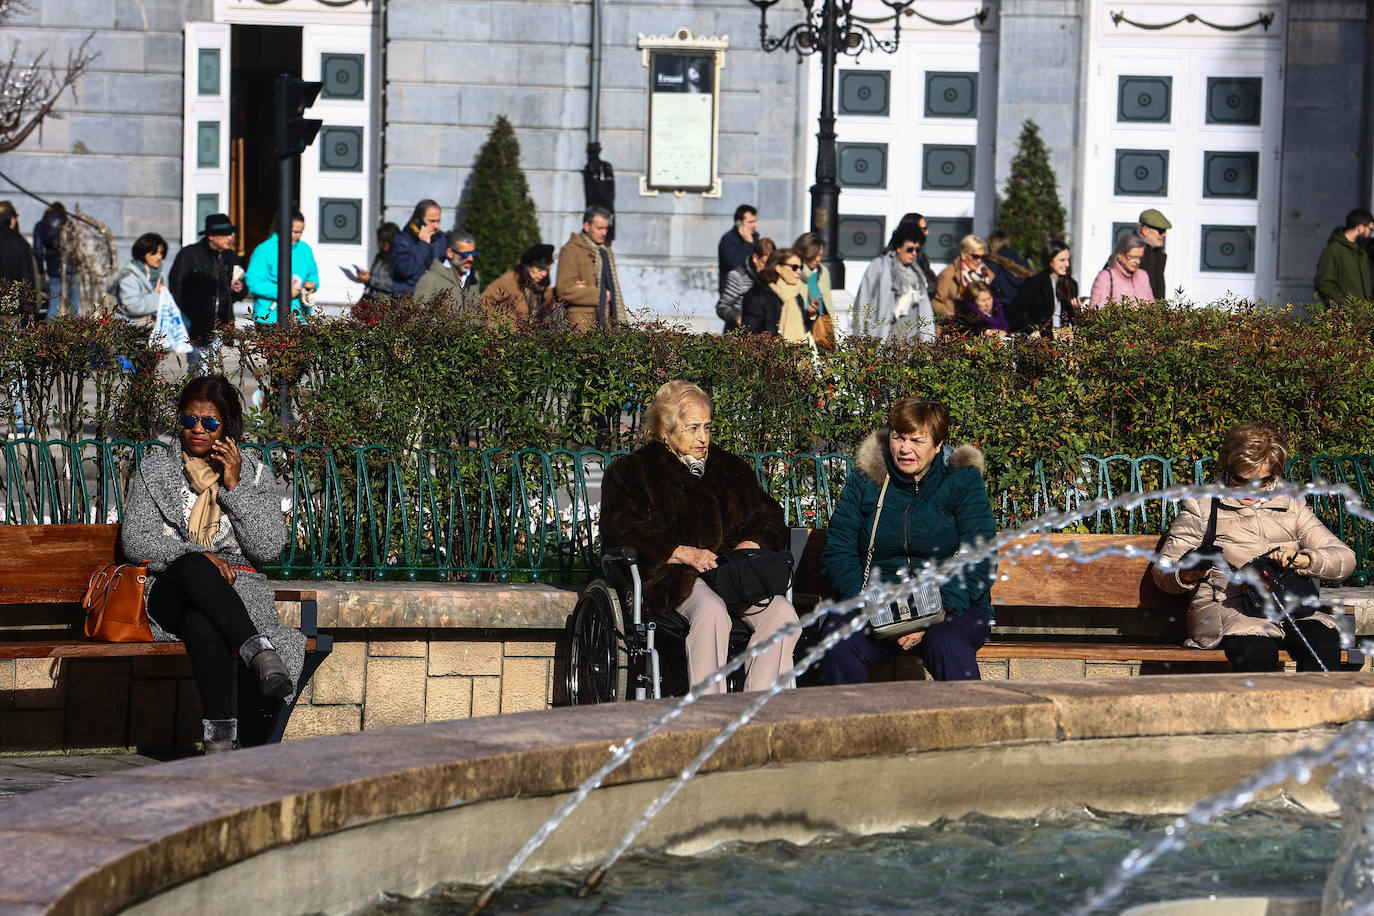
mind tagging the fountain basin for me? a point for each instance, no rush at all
(324, 825)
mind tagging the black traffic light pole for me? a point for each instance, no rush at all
(293, 133)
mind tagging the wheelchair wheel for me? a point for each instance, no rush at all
(598, 665)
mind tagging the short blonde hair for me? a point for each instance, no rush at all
(970, 244)
(664, 413)
(1253, 447)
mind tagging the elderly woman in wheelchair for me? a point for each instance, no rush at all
(669, 510)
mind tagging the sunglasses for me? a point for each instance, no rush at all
(464, 255)
(910, 249)
(790, 266)
(209, 424)
(1266, 481)
(974, 257)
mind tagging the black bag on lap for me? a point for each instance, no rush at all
(1295, 594)
(750, 576)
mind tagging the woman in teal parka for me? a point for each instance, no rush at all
(932, 507)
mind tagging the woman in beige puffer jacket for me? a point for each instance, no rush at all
(1247, 528)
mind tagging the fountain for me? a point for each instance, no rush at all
(324, 825)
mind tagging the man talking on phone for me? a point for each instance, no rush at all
(416, 247)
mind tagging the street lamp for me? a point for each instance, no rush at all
(830, 28)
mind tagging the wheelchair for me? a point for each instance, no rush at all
(618, 650)
(614, 655)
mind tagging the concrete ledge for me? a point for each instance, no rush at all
(458, 605)
(452, 800)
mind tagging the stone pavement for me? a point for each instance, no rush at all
(21, 775)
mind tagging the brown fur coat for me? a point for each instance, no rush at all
(649, 501)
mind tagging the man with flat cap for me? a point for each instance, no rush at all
(1153, 227)
(203, 284)
(523, 293)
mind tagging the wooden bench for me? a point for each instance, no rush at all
(1047, 607)
(44, 571)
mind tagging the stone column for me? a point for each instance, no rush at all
(1039, 76)
(1325, 168)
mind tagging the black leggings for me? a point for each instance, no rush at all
(191, 599)
(1261, 653)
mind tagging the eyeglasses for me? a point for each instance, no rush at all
(1263, 482)
(464, 255)
(209, 424)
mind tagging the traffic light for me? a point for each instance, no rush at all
(293, 131)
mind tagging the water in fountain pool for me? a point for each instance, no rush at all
(971, 865)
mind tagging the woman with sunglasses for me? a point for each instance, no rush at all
(1254, 455)
(776, 304)
(206, 517)
(893, 300)
(951, 287)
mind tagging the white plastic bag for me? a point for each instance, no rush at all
(170, 330)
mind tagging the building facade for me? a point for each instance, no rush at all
(1247, 123)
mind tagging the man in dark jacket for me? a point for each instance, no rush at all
(416, 247)
(18, 268)
(1153, 227)
(738, 244)
(1343, 268)
(202, 282)
(47, 250)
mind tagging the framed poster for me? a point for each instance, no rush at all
(684, 113)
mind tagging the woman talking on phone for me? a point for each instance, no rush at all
(205, 518)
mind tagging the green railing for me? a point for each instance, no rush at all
(532, 515)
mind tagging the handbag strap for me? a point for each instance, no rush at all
(1209, 537)
(873, 534)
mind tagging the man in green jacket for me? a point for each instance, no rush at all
(1343, 268)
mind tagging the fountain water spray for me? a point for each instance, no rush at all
(1003, 546)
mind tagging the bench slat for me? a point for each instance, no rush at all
(55, 561)
(85, 648)
(1109, 581)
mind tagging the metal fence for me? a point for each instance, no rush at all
(532, 515)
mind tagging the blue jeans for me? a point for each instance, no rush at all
(949, 650)
(55, 294)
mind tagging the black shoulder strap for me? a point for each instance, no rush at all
(1210, 537)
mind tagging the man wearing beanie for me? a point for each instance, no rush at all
(1153, 226)
(523, 293)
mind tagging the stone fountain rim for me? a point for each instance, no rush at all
(97, 846)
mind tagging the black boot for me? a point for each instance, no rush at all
(220, 735)
(273, 678)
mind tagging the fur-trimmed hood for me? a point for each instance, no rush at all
(871, 457)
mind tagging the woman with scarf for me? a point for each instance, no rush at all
(893, 300)
(776, 304)
(139, 284)
(952, 284)
(1049, 300)
(680, 502)
(205, 518)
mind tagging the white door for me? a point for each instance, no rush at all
(335, 192)
(205, 114)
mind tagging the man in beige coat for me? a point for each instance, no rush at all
(587, 284)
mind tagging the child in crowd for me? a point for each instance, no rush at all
(980, 313)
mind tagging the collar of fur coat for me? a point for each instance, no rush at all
(871, 457)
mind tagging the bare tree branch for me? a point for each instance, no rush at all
(29, 91)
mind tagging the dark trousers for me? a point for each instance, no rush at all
(191, 599)
(1261, 653)
(949, 650)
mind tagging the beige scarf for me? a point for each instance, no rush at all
(204, 481)
(792, 321)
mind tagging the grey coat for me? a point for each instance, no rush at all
(155, 532)
(874, 311)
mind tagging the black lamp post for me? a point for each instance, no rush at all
(830, 28)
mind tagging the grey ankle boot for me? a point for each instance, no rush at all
(220, 735)
(273, 678)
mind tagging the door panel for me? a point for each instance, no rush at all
(205, 126)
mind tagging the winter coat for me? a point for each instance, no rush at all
(155, 532)
(261, 277)
(732, 252)
(1342, 270)
(730, 307)
(443, 279)
(1035, 306)
(761, 310)
(925, 520)
(651, 502)
(138, 295)
(580, 259)
(1243, 533)
(1152, 265)
(18, 265)
(874, 311)
(950, 288)
(47, 245)
(1009, 272)
(201, 282)
(1113, 285)
(504, 300)
(969, 320)
(410, 258)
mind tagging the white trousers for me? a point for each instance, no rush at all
(708, 637)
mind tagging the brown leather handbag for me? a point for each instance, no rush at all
(114, 606)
